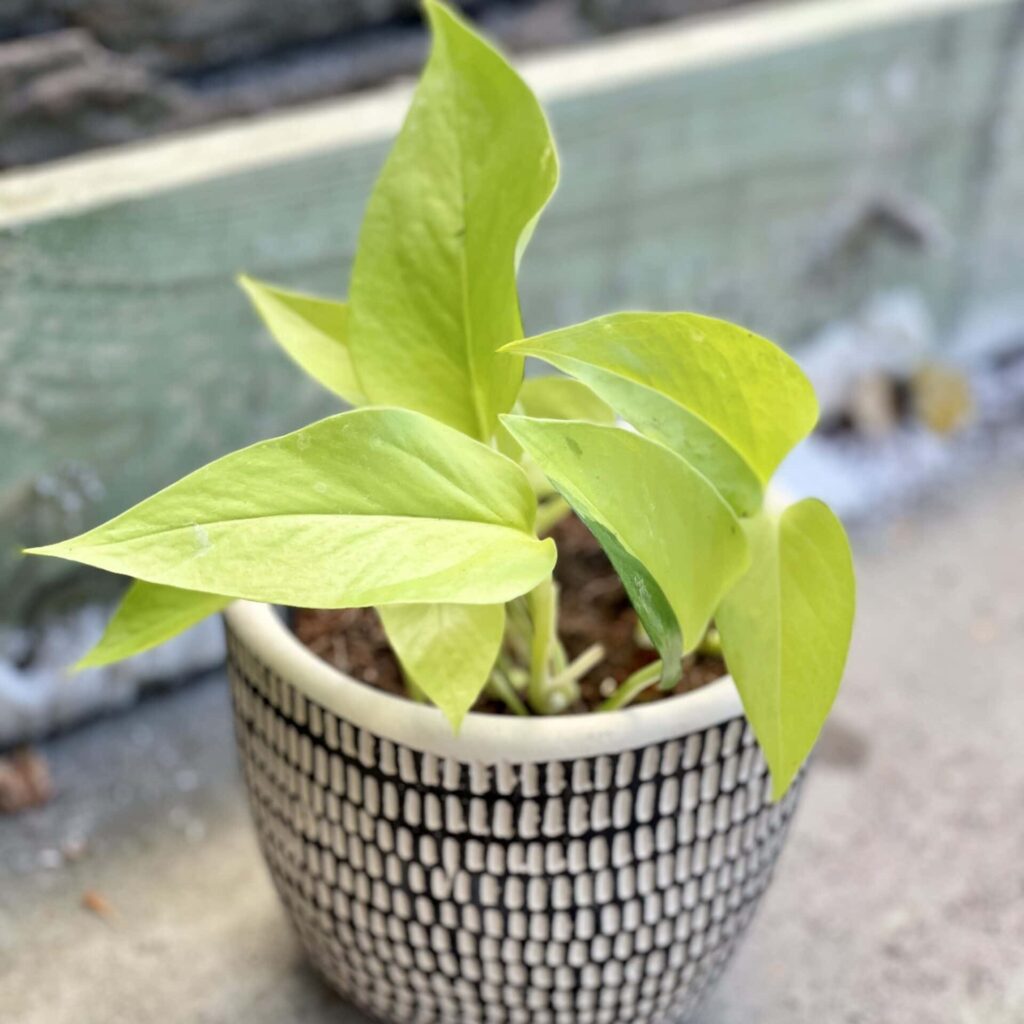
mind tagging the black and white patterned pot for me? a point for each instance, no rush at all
(585, 869)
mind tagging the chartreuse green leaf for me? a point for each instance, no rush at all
(313, 331)
(447, 650)
(554, 398)
(675, 542)
(786, 630)
(729, 402)
(369, 507)
(433, 292)
(562, 398)
(148, 615)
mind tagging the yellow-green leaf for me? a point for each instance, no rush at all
(786, 630)
(685, 545)
(369, 507)
(433, 292)
(313, 331)
(729, 402)
(554, 398)
(562, 398)
(447, 650)
(148, 615)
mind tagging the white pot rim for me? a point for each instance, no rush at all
(486, 738)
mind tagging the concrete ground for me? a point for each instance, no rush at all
(900, 898)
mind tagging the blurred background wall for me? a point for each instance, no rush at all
(81, 73)
(844, 177)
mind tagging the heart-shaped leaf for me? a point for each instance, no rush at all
(786, 629)
(727, 401)
(554, 398)
(673, 538)
(562, 398)
(433, 291)
(369, 507)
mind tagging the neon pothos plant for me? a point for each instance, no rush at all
(430, 499)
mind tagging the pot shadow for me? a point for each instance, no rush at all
(842, 746)
(322, 1004)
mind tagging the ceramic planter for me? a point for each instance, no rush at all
(586, 869)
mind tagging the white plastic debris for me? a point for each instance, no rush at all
(45, 696)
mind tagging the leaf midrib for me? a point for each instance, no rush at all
(238, 520)
(454, 93)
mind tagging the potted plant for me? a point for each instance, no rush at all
(555, 854)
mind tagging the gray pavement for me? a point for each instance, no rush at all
(900, 898)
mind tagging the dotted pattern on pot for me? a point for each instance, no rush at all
(604, 890)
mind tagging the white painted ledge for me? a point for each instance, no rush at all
(140, 169)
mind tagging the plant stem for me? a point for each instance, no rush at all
(550, 689)
(579, 667)
(632, 687)
(711, 645)
(542, 613)
(518, 630)
(566, 680)
(502, 689)
(550, 513)
(559, 659)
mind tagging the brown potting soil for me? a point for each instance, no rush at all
(593, 608)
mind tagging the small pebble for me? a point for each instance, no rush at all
(95, 902)
(24, 781)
